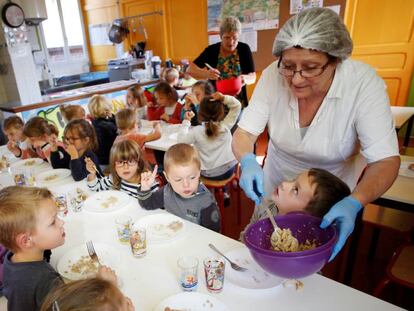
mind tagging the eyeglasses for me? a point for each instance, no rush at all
(69, 138)
(128, 163)
(304, 73)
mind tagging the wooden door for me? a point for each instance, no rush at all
(382, 32)
(154, 25)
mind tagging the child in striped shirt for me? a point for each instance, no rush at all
(126, 165)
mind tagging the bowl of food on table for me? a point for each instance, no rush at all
(304, 258)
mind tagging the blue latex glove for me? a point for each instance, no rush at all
(251, 180)
(343, 213)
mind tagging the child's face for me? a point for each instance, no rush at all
(162, 99)
(14, 134)
(198, 93)
(184, 179)
(294, 195)
(127, 170)
(49, 232)
(73, 138)
(39, 141)
(131, 101)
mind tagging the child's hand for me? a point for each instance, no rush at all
(217, 96)
(156, 126)
(91, 168)
(53, 142)
(74, 154)
(188, 115)
(190, 98)
(148, 178)
(12, 146)
(107, 274)
(165, 117)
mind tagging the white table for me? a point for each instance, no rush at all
(168, 137)
(151, 279)
(401, 194)
(403, 115)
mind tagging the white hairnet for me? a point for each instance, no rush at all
(318, 29)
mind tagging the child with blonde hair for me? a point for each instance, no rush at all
(29, 225)
(171, 76)
(95, 294)
(184, 195)
(169, 110)
(126, 166)
(81, 142)
(41, 133)
(137, 100)
(18, 143)
(72, 112)
(104, 123)
(213, 137)
(126, 122)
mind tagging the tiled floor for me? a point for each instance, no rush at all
(366, 274)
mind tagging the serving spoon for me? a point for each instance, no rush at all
(281, 239)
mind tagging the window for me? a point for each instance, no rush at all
(63, 32)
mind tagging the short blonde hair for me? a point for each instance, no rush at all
(72, 112)
(92, 294)
(181, 154)
(126, 119)
(99, 106)
(230, 24)
(13, 122)
(18, 209)
(170, 74)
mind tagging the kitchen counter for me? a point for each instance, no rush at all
(67, 96)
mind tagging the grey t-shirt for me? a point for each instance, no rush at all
(26, 284)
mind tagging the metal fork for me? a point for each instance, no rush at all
(232, 264)
(92, 253)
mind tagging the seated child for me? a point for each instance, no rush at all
(126, 122)
(104, 123)
(72, 112)
(126, 166)
(81, 142)
(171, 76)
(184, 195)
(18, 143)
(169, 109)
(94, 294)
(41, 133)
(199, 90)
(213, 138)
(136, 99)
(314, 192)
(29, 225)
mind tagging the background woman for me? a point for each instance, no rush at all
(229, 58)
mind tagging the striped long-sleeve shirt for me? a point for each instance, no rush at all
(105, 183)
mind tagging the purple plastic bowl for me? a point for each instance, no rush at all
(291, 265)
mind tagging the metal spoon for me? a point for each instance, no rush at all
(232, 264)
(281, 239)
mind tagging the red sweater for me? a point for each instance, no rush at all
(155, 113)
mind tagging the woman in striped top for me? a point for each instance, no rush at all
(126, 165)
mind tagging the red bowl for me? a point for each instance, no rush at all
(230, 86)
(292, 265)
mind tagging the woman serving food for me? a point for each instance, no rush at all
(322, 110)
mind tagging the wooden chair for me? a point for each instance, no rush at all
(217, 187)
(383, 218)
(400, 270)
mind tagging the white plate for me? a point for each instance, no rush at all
(255, 277)
(58, 174)
(405, 171)
(173, 136)
(106, 201)
(158, 229)
(27, 163)
(192, 302)
(107, 255)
